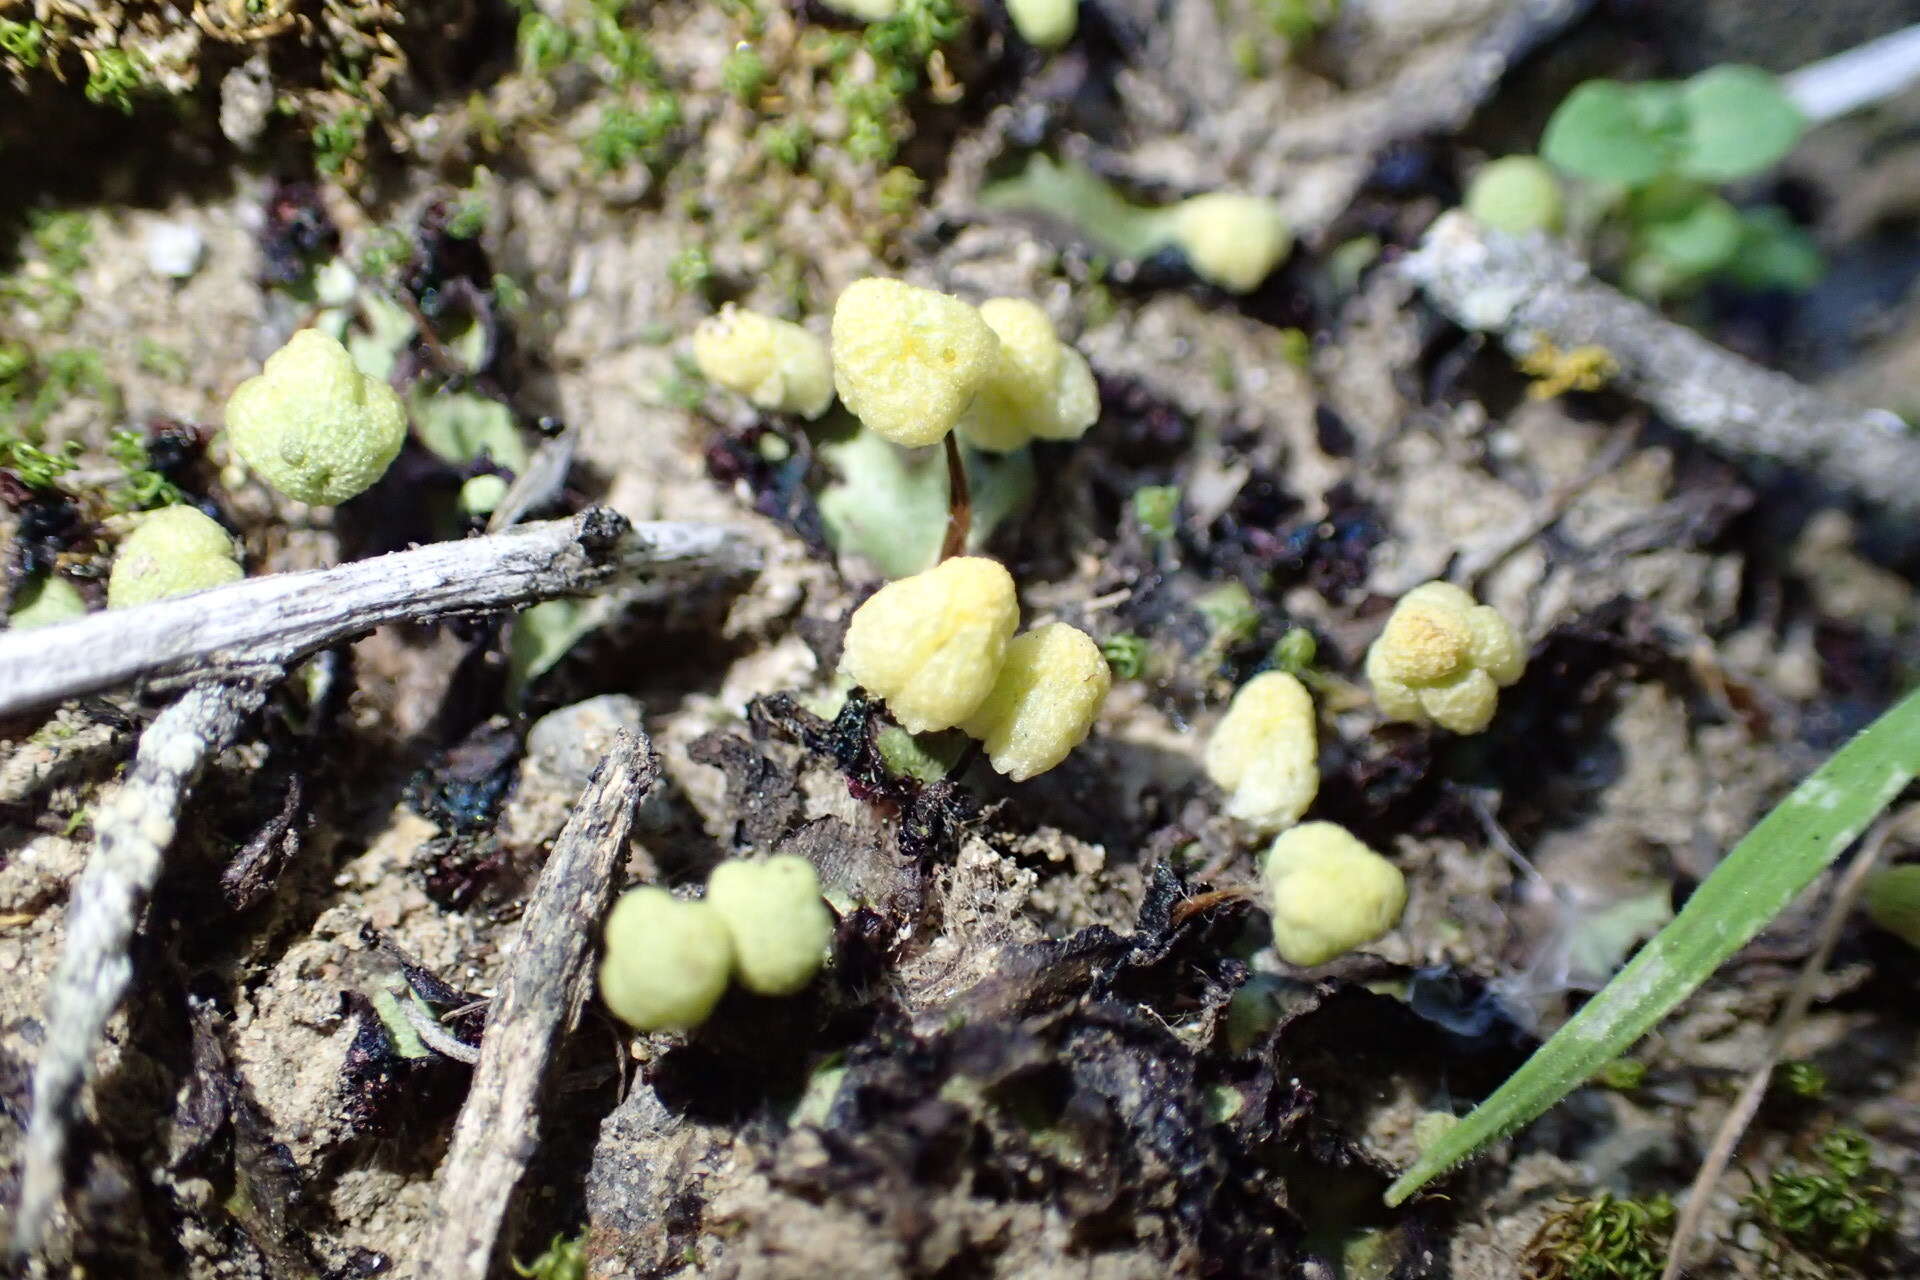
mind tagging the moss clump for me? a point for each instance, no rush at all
(1838, 1212)
(1605, 1238)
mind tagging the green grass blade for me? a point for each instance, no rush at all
(1765, 871)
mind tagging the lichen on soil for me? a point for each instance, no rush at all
(1047, 1045)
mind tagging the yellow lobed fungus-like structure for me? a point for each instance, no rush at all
(1041, 388)
(776, 364)
(1328, 893)
(1044, 24)
(45, 601)
(667, 961)
(1044, 701)
(909, 361)
(780, 927)
(172, 552)
(312, 425)
(1232, 240)
(1265, 752)
(1443, 659)
(932, 645)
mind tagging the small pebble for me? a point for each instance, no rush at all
(175, 249)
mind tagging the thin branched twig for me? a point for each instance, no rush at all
(267, 623)
(1530, 289)
(546, 986)
(131, 837)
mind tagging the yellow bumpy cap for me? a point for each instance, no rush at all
(1043, 704)
(776, 364)
(1265, 752)
(1443, 659)
(172, 552)
(666, 962)
(1040, 388)
(932, 644)
(1328, 893)
(908, 361)
(779, 925)
(1232, 240)
(312, 425)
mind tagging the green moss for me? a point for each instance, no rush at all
(1126, 653)
(1297, 20)
(543, 45)
(1231, 616)
(161, 360)
(1801, 1080)
(691, 270)
(114, 77)
(1605, 1238)
(900, 48)
(1840, 1211)
(1157, 508)
(685, 387)
(628, 56)
(337, 142)
(787, 143)
(565, 1259)
(143, 488)
(1295, 651)
(744, 73)
(22, 42)
(386, 250)
(33, 466)
(45, 288)
(900, 190)
(34, 388)
(626, 134)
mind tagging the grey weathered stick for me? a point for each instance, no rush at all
(274, 621)
(1528, 288)
(547, 984)
(130, 836)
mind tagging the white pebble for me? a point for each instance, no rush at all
(175, 249)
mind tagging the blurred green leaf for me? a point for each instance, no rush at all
(1739, 123)
(461, 425)
(1701, 239)
(1074, 194)
(1609, 132)
(1774, 253)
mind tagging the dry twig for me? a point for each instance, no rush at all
(1530, 289)
(131, 836)
(547, 985)
(262, 624)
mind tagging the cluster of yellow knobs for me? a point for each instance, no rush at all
(942, 648)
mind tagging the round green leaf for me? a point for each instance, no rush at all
(1739, 123)
(1602, 132)
(1776, 254)
(1702, 238)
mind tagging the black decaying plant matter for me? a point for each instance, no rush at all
(1090, 1074)
(929, 813)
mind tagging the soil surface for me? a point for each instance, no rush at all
(1048, 1043)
